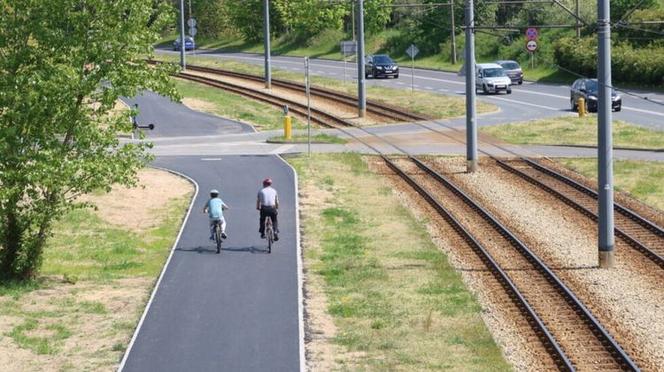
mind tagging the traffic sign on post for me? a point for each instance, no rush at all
(191, 22)
(193, 31)
(348, 48)
(412, 51)
(531, 45)
(531, 33)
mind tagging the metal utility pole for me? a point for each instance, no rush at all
(454, 56)
(471, 120)
(605, 141)
(578, 22)
(183, 63)
(307, 84)
(266, 43)
(361, 89)
(352, 17)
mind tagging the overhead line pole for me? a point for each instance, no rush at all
(454, 55)
(606, 238)
(183, 62)
(361, 89)
(266, 43)
(471, 124)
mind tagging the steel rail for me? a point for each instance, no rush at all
(628, 213)
(374, 107)
(602, 334)
(321, 117)
(536, 322)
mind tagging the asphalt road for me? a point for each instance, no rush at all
(527, 101)
(236, 311)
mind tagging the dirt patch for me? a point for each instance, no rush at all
(99, 319)
(199, 105)
(134, 208)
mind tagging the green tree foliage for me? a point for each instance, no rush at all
(212, 17)
(63, 65)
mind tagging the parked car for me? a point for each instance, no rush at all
(587, 88)
(380, 65)
(513, 70)
(189, 43)
(491, 78)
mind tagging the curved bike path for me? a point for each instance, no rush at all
(234, 311)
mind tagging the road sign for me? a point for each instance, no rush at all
(531, 33)
(531, 45)
(193, 31)
(191, 22)
(412, 50)
(348, 48)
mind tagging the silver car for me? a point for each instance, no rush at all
(513, 70)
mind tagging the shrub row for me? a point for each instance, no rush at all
(642, 65)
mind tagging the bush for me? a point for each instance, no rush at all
(642, 65)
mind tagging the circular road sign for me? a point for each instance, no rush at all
(531, 45)
(193, 31)
(531, 33)
(191, 22)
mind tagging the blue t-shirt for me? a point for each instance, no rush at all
(215, 211)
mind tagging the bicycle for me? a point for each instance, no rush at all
(269, 233)
(217, 235)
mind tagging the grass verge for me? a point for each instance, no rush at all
(641, 179)
(94, 282)
(430, 104)
(570, 130)
(318, 138)
(233, 106)
(394, 300)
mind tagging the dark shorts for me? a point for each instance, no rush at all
(265, 212)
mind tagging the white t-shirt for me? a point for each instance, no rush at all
(267, 197)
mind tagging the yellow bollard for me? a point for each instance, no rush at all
(288, 128)
(581, 106)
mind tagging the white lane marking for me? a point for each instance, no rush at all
(443, 90)
(643, 111)
(210, 159)
(430, 88)
(525, 103)
(300, 274)
(163, 270)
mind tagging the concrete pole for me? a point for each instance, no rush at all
(454, 56)
(266, 43)
(471, 119)
(307, 84)
(361, 89)
(183, 62)
(605, 141)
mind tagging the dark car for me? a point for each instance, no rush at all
(587, 88)
(380, 65)
(189, 43)
(513, 70)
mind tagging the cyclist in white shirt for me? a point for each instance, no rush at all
(267, 203)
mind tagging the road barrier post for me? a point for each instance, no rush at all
(581, 107)
(288, 125)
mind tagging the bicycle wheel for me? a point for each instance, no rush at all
(269, 234)
(217, 237)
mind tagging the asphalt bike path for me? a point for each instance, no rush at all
(234, 311)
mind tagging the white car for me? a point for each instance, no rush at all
(491, 78)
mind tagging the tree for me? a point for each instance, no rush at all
(63, 65)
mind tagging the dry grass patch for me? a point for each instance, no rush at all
(395, 301)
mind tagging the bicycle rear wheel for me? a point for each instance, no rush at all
(217, 237)
(269, 233)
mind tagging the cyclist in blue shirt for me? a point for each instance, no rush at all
(215, 209)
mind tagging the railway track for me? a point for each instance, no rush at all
(639, 233)
(567, 329)
(377, 108)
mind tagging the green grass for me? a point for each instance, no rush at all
(396, 301)
(47, 343)
(229, 105)
(571, 130)
(84, 247)
(318, 138)
(641, 179)
(430, 104)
